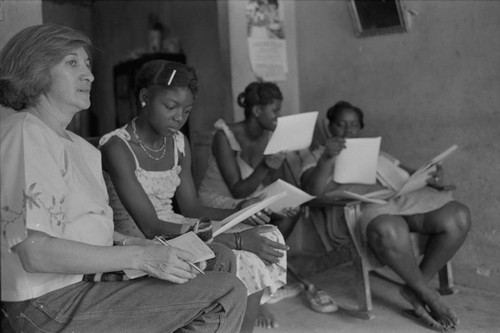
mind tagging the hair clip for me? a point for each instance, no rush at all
(171, 77)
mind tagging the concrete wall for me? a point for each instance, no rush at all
(423, 90)
(18, 15)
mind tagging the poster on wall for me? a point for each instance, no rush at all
(266, 39)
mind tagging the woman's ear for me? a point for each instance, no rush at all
(256, 110)
(143, 96)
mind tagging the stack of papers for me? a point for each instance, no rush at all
(396, 180)
(293, 132)
(393, 177)
(241, 215)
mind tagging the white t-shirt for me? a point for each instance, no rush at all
(52, 185)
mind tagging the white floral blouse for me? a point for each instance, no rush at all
(52, 185)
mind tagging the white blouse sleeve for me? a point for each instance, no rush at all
(32, 185)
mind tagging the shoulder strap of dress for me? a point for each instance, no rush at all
(124, 136)
(179, 146)
(233, 143)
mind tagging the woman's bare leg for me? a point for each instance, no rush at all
(389, 237)
(265, 318)
(257, 315)
(447, 229)
(253, 303)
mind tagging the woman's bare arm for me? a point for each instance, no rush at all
(317, 179)
(228, 166)
(42, 253)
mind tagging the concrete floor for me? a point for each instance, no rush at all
(479, 312)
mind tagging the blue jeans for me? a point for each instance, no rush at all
(214, 302)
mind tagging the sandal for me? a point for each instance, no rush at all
(287, 291)
(320, 301)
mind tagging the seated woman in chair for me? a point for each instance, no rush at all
(148, 162)
(386, 227)
(56, 224)
(237, 168)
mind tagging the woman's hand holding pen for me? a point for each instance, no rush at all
(167, 263)
(267, 250)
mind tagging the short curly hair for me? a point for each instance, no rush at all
(26, 60)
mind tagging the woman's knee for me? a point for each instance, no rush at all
(235, 290)
(387, 231)
(456, 218)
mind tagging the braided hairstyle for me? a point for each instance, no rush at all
(258, 93)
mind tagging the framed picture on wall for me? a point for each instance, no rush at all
(376, 17)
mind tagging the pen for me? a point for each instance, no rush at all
(161, 240)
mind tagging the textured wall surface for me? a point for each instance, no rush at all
(422, 91)
(17, 16)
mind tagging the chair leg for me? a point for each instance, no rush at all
(361, 276)
(446, 284)
(362, 287)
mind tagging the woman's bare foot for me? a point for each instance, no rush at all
(419, 308)
(265, 318)
(432, 301)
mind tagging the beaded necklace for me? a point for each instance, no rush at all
(162, 149)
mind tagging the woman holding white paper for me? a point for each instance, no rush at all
(238, 168)
(386, 227)
(148, 162)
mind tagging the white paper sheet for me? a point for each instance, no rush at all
(241, 215)
(398, 179)
(416, 181)
(293, 132)
(438, 158)
(391, 175)
(193, 244)
(357, 163)
(295, 196)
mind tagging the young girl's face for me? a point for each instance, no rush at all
(269, 113)
(346, 125)
(169, 109)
